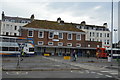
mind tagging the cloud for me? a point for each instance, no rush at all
(97, 7)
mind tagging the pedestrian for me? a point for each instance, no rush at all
(97, 55)
(88, 53)
(22, 54)
(74, 55)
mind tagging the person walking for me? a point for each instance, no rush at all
(97, 55)
(74, 55)
(88, 53)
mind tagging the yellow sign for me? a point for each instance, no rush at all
(46, 54)
(67, 57)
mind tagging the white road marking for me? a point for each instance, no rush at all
(6, 72)
(17, 73)
(104, 71)
(109, 71)
(99, 74)
(93, 72)
(81, 72)
(87, 71)
(108, 76)
(113, 73)
(71, 71)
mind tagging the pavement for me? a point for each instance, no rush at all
(56, 63)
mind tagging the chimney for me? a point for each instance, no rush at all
(83, 23)
(59, 20)
(3, 15)
(32, 17)
(105, 25)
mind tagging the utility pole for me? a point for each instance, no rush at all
(111, 33)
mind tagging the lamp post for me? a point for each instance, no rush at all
(111, 32)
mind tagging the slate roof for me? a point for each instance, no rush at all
(54, 25)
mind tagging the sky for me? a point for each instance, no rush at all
(92, 12)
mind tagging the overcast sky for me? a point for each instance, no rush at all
(93, 13)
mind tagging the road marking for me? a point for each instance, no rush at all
(99, 74)
(108, 75)
(81, 72)
(87, 71)
(93, 72)
(109, 71)
(71, 71)
(16, 73)
(113, 73)
(104, 71)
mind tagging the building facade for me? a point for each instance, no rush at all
(96, 33)
(10, 25)
(57, 37)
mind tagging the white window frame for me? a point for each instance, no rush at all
(52, 36)
(89, 45)
(70, 44)
(78, 44)
(62, 35)
(32, 33)
(40, 41)
(42, 34)
(77, 37)
(49, 43)
(60, 42)
(68, 35)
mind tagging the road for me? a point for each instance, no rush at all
(39, 64)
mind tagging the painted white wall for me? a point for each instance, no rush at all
(103, 38)
(7, 26)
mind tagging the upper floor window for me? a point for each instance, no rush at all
(93, 34)
(105, 34)
(78, 45)
(51, 35)
(69, 44)
(100, 34)
(40, 34)
(7, 24)
(60, 35)
(108, 42)
(30, 33)
(40, 42)
(78, 36)
(50, 43)
(69, 36)
(105, 42)
(90, 34)
(15, 27)
(88, 45)
(108, 35)
(60, 44)
(97, 34)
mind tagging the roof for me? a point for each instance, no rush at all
(89, 25)
(16, 19)
(44, 24)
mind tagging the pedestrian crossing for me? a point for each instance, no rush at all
(114, 73)
(106, 73)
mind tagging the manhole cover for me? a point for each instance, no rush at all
(16, 73)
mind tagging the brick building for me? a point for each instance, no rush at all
(57, 37)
